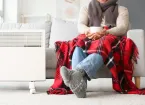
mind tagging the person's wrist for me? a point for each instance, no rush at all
(87, 31)
(107, 32)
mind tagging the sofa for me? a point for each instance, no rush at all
(61, 30)
(64, 30)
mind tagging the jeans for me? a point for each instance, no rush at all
(90, 64)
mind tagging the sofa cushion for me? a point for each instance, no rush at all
(62, 30)
(50, 58)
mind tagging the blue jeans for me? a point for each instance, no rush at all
(90, 64)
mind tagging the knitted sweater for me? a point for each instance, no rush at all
(122, 22)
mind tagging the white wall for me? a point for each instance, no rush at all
(10, 11)
(38, 7)
(14, 8)
(42, 7)
(84, 2)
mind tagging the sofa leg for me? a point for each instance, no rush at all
(32, 87)
(137, 81)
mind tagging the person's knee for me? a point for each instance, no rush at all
(96, 56)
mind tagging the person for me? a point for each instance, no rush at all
(98, 13)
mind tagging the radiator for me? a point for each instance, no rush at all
(22, 55)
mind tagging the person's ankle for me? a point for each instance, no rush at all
(84, 74)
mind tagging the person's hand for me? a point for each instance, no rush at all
(95, 36)
(88, 33)
(103, 32)
(98, 35)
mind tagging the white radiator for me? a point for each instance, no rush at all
(22, 55)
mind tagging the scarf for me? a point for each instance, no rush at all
(97, 9)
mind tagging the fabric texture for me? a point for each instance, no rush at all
(122, 22)
(90, 64)
(77, 57)
(118, 55)
(50, 58)
(96, 10)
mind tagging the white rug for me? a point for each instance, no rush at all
(12, 93)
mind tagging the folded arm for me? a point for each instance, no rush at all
(122, 23)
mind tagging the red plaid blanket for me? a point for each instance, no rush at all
(118, 54)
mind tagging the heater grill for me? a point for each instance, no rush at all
(20, 39)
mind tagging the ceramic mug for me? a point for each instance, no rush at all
(95, 29)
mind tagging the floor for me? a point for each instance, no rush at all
(99, 93)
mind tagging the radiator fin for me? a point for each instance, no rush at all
(20, 39)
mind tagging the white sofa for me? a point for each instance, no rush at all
(64, 30)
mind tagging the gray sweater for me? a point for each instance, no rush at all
(122, 23)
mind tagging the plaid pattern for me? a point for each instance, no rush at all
(117, 52)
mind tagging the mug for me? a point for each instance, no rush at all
(95, 29)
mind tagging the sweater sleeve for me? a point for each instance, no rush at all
(122, 23)
(83, 20)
